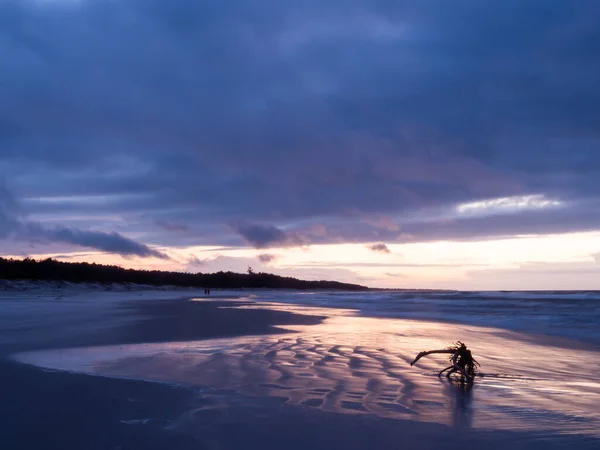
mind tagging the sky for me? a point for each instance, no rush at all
(416, 144)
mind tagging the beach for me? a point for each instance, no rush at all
(268, 369)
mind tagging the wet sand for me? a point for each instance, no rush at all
(59, 410)
(62, 411)
(272, 389)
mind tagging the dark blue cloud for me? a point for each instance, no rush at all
(13, 224)
(9, 212)
(266, 258)
(266, 236)
(108, 242)
(379, 248)
(172, 226)
(202, 114)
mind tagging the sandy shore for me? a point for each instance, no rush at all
(272, 389)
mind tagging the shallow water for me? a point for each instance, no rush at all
(570, 314)
(353, 364)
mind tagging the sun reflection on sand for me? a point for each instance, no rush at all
(359, 365)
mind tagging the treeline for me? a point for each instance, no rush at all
(53, 270)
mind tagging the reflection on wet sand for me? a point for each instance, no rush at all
(357, 365)
(461, 396)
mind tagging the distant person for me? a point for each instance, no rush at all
(462, 361)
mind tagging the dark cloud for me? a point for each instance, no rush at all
(9, 212)
(266, 236)
(266, 258)
(12, 224)
(170, 226)
(74, 255)
(108, 242)
(195, 115)
(379, 248)
(194, 264)
(581, 218)
(194, 260)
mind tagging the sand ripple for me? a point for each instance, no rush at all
(357, 365)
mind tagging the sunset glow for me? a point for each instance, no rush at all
(380, 146)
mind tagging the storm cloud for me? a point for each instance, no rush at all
(266, 258)
(266, 236)
(379, 248)
(178, 119)
(12, 224)
(108, 242)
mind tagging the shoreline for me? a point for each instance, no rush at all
(43, 408)
(61, 411)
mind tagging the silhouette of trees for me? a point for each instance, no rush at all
(54, 270)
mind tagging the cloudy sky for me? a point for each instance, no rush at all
(421, 143)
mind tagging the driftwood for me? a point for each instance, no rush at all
(461, 359)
